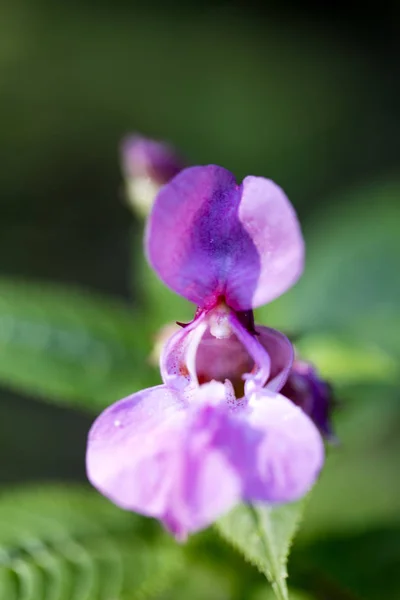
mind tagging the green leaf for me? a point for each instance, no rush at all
(361, 564)
(264, 535)
(67, 542)
(71, 346)
(364, 465)
(265, 594)
(344, 360)
(276, 142)
(201, 582)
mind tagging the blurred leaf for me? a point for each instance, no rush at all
(69, 346)
(378, 330)
(195, 65)
(64, 542)
(265, 594)
(161, 304)
(359, 485)
(363, 565)
(264, 535)
(344, 360)
(201, 583)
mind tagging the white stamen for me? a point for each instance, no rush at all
(220, 327)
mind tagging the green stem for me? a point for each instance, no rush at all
(278, 584)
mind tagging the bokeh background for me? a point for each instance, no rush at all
(306, 95)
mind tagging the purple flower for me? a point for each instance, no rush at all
(147, 165)
(306, 389)
(217, 431)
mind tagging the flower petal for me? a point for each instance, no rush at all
(281, 353)
(194, 356)
(192, 219)
(178, 356)
(153, 454)
(262, 360)
(312, 394)
(207, 483)
(221, 359)
(240, 242)
(271, 222)
(123, 457)
(288, 460)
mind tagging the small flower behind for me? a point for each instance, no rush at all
(218, 431)
(308, 390)
(147, 165)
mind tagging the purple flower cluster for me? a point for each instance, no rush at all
(235, 419)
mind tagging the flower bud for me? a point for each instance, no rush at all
(312, 394)
(147, 165)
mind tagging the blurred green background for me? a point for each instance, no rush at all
(306, 96)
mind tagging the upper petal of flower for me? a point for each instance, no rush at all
(208, 237)
(271, 222)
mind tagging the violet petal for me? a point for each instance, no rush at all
(288, 459)
(281, 353)
(239, 242)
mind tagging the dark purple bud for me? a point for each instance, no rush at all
(312, 394)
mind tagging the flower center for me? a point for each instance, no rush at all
(220, 355)
(219, 324)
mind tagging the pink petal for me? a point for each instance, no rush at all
(262, 361)
(287, 461)
(207, 482)
(153, 454)
(178, 356)
(187, 464)
(281, 353)
(125, 458)
(270, 220)
(208, 237)
(187, 237)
